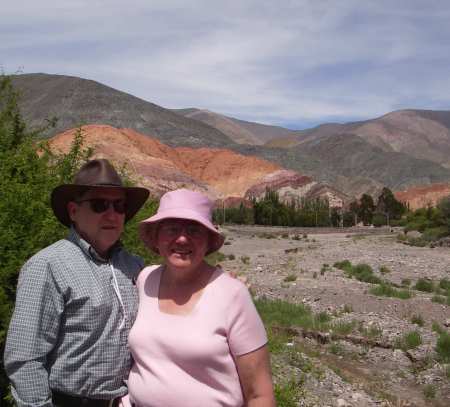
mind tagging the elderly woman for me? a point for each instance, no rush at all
(197, 340)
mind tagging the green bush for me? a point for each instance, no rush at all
(344, 265)
(409, 340)
(424, 285)
(418, 320)
(386, 290)
(443, 346)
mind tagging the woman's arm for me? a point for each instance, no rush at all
(256, 379)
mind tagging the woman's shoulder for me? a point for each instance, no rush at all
(229, 283)
(147, 271)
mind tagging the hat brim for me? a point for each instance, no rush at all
(148, 228)
(63, 194)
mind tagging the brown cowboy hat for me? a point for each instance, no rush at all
(95, 174)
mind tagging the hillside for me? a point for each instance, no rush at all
(241, 131)
(75, 101)
(399, 150)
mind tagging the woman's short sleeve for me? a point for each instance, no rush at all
(246, 331)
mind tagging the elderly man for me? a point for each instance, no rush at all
(76, 300)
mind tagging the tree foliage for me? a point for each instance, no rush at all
(29, 171)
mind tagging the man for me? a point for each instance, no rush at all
(76, 300)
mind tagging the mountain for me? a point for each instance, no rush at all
(422, 134)
(219, 173)
(240, 131)
(423, 196)
(399, 150)
(75, 101)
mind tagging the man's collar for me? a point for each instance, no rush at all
(89, 250)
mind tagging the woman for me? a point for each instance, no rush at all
(197, 340)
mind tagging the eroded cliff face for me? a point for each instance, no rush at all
(423, 196)
(221, 174)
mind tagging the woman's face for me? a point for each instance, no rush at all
(183, 243)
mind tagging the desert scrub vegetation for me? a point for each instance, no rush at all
(417, 320)
(361, 272)
(290, 278)
(384, 270)
(245, 259)
(424, 285)
(385, 289)
(443, 347)
(409, 340)
(279, 313)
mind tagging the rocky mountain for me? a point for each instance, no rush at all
(423, 196)
(422, 134)
(240, 131)
(399, 150)
(219, 173)
(75, 101)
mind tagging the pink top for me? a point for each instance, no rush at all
(187, 360)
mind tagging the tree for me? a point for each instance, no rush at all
(366, 209)
(389, 206)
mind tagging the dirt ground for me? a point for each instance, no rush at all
(297, 265)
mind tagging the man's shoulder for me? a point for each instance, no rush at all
(59, 250)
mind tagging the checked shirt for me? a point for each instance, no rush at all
(71, 322)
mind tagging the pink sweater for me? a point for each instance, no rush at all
(187, 360)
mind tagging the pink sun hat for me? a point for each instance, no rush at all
(182, 204)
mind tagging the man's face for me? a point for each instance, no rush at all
(101, 230)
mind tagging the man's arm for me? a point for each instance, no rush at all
(256, 379)
(32, 334)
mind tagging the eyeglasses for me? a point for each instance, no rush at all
(100, 205)
(172, 229)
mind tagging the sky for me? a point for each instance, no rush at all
(295, 64)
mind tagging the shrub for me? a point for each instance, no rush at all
(443, 346)
(424, 285)
(386, 290)
(288, 394)
(439, 299)
(409, 340)
(231, 257)
(343, 328)
(444, 284)
(286, 314)
(418, 320)
(429, 391)
(384, 270)
(289, 278)
(406, 282)
(344, 265)
(245, 259)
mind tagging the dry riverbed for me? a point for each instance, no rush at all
(296, 265)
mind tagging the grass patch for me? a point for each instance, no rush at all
(424, 285)
(443, 346)
(409, 340)
(429, 391)
(406, 282)
(285, 314)
(361, 272)
(343, 328)
(214, 258)
(245, 259)
(418, 320)
(384, 270)
(288, 394)
(289, 278)
(385, 289)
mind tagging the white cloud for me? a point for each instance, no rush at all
(290, 61)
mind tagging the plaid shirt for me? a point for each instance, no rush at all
(70, 325)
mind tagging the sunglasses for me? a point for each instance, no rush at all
(172, 229)
(99, 205)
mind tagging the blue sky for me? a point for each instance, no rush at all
(289, 63)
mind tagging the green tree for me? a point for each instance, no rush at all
(366, 208)
(388, 205)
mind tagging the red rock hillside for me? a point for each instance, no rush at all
(219, 173)
(423, 196)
